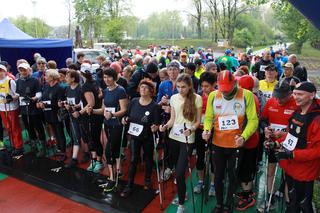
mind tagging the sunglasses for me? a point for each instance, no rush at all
(41, 63)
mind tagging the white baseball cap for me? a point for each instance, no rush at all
(24, 66)
(85, 67)
(2, 67)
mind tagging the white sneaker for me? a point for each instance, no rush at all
(263, 208)
(166, 174)
(180, 209)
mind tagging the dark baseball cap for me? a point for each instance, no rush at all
(281, 90)
(270, 66)
(306, 86)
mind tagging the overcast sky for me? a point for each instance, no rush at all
(55, 13)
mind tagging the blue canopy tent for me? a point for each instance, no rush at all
(310, 9)
(15, 44)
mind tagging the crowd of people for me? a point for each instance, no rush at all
(228, 111)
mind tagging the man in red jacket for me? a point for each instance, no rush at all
(300, 149)
(274, 118)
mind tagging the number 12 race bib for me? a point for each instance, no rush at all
(290, 142)
(135, 129)
(229, 122)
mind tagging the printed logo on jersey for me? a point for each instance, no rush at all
(237, 107)
(271, 109)
(288, 111)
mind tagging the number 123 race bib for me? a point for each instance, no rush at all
(229, 122)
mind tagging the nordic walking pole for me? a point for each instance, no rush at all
(190, 171)
(157, 169)
(205, 174)
(121, 150)
(272, 187)
(266, 184)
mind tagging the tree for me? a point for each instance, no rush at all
(294, 24)
(35, 27)
(90, 15)
(224, 14)
(197, 4)
(114, 29)
(243, 38)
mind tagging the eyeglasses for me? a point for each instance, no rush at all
(41, 63)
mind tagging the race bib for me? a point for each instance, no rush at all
(268, 95)
(135, 129)
(263, 68)
(22, 102)
(290, 142)
(229, 122)
(278, 127)
(110, 109)
(71, 101)
(46, 103)
(177, 130)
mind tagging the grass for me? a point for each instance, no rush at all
(308, 51)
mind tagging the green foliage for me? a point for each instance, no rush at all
(113, 30)
(90, 15)
(252, 31)
(242, 38)
(294, 24)
(34, 27)
(143, 43)
(164, 25)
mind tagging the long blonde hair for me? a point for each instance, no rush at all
(189, 107)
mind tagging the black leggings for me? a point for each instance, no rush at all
(300, 195)
(90, 131)
(180, 159)
(226, 159)
(1, 130)
(200, 145)
(59, 133)
(147, 145)
(34, 125)
(113, 134)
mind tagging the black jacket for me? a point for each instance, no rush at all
(300, 72)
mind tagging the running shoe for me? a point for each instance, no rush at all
(212, 191)
(263, 207)
(17, 152)
(91, 166)
(109, 186)
(98, 166)
(198, 188)
(175, 201)
(180, 209)
(244, 204)
(166, 175)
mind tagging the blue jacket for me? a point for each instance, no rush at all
(165, 88)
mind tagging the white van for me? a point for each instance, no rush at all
(105, 45)
(90, 54)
